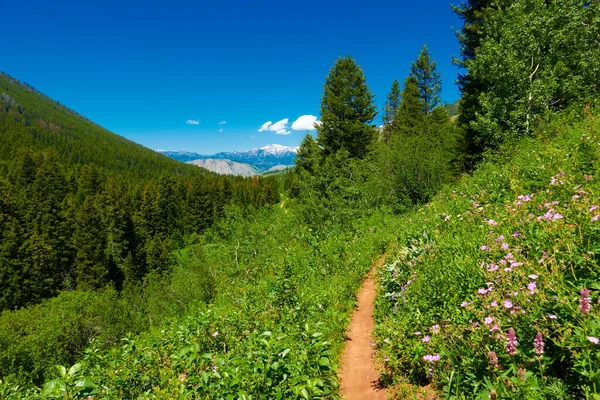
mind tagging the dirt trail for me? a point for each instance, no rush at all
(358, 375)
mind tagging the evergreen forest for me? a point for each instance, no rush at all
(125, 274)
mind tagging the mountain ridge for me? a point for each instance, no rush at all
(260, 159)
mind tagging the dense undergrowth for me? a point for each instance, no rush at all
(493, 289)
(274, 329)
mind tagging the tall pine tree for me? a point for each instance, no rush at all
(428, 79)
(347, 111)
(390, 109)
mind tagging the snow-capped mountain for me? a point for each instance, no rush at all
(264, 158)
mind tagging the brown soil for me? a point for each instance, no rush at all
(358, 375)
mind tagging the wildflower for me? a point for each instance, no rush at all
(215, 334)
(551, 316)
(538, 344)
(494, 328)
(516, 234)
(531, 287)
(484, 248)
(491, 222)
(447, 218)
(595, 217)
(488, 320)
(584, 301)
(502, 261)
(500, 239)
(494, 304)
(483, 292)
(544, 257)
(515, 264)
(511, 342)
(504, 246)
(435, 328)
(417, 333)
(593, 339)
(575, 197)
(492, 267)
(493, 360)
(557, 216)
(426, 339)
(466, 303)
(532, 276)
(430, 374)
(553, 181)
(214, 369)
(593, 208)
(507, 303)
(431, 357)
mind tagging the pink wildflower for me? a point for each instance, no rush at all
(507, 303)
(417, 333)
(504, 246)
(494, 304)
(532, 276)
(500, 239)
(491, 222)
(485, 248)
(551, 316)
(538, 344)
(493, 360)
(488, 320)
(511, 342)
(531, 287)
(431, 357)
(593, 339)
(435, 328)
(575, 197)
(483, 292)
(593, 208)
(585, 302)
(492, 267)
(595, 217)
(516, 234)
(426, 339)
(215, 334)
(494, 328)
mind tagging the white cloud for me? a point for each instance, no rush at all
(279, 127)
(265, 126)
(305, 123)
(223, 123)
(193, 122)
(220, 130)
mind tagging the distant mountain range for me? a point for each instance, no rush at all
(273, 157)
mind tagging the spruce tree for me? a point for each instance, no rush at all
(390, 109)
(409, 119)
(347, 111)
(428, 79)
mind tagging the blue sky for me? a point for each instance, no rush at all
(149, 70)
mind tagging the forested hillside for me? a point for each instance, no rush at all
(118, 283)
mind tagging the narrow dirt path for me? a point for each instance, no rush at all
(358, 376)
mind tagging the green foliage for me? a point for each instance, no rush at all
(428, 79)
(410, 119)
(510, 248)
(347, 111)
(389, 110)
(524, 58)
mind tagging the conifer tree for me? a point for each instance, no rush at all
(428, 79)
(347, 111)
(409, 119)
(390, 109)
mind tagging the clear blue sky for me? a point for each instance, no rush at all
(148, 69)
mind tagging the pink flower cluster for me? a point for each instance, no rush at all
(431, 357)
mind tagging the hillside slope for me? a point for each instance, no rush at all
(30, 120)
(493, 290)
(226, 167)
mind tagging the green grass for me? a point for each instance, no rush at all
(511, 247)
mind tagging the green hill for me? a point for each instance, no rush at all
(30, 120)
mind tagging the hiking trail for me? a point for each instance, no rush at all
(358, 375)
